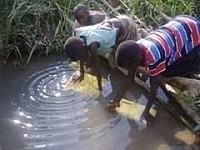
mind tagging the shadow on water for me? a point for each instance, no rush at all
(38, 112)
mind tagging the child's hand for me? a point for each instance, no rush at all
(112, 105)
(77, 76)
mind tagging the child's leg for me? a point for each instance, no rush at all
(111, 59)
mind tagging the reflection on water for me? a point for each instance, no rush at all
(52, 116)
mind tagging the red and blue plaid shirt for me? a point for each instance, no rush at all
(170, 42)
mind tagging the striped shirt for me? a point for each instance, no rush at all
(170, 42)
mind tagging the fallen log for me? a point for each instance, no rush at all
(185, 85)
(183, 91)
(187, 116)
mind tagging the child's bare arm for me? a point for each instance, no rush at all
(81, 70)
(154, 84)
(78, 76)
(125, 85)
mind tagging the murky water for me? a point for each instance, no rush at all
(44, 114)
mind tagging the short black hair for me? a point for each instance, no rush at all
(74, 48)
(80, 7)
(128, 54)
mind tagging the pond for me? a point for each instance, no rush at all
(39, 112)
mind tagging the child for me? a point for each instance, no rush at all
(171, 50)
(91, 41)
(85, 17)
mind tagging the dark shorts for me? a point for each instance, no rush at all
(186, 66)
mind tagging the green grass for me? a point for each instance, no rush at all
(151, 10)
(40, 26)
(34, 26)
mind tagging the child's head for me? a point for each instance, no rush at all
(81, 13)
(74, 48)
(129, 54)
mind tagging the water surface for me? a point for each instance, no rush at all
(38, 112)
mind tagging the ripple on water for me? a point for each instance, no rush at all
(55, 117)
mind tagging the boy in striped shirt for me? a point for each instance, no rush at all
(171, 50)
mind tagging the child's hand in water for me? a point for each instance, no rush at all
(112, 105)
(77, 76)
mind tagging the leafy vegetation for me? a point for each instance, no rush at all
(40, 26)
(34, 26)
(153, 12)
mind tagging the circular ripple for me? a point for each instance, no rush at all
(53, 117)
